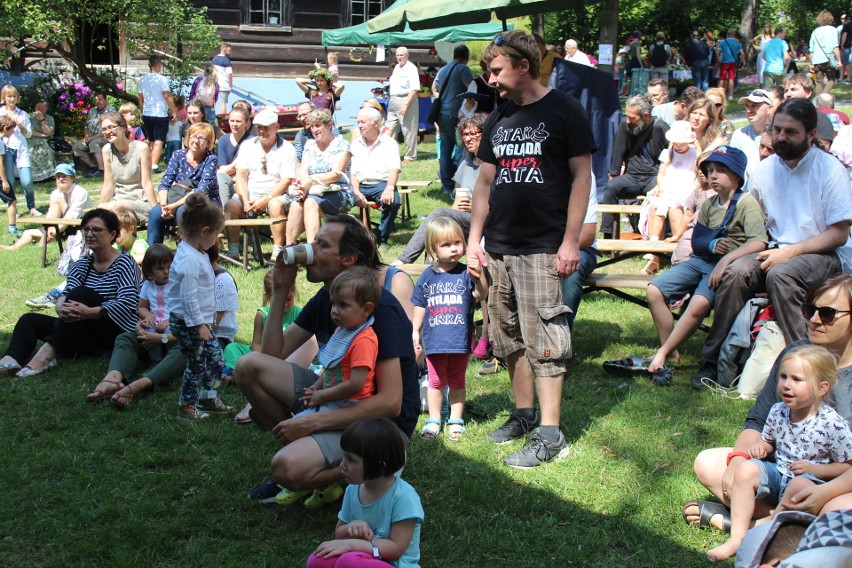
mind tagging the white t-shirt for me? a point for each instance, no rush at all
(822, 44)
(372, 165)
(804, 201)
(17, 141)
(152, 86)
(79, 201)
(280, 165)
(404, 79)
(581, 58)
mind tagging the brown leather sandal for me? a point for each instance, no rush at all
(102, 393)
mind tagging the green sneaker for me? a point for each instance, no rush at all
(287, 498)
(323, 497)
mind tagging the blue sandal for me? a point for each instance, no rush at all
(662, 377)
(431, 429)
(455, 426)
(628, 366)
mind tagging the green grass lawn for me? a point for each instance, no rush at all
(87, 484)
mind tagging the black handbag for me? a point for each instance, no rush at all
(435, 109)
(179, 189)
(703, 236)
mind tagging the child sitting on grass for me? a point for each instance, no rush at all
(810, 441)
(730, 225)
(347, 362)
(380, 520)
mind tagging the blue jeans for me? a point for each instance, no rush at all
(25, 175)
(572, 287)
(386, 223)
(446, 165)
(156, 223)
(701, 73)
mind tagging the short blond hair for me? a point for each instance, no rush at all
(820, 366)
(439, 230)
(204, 128)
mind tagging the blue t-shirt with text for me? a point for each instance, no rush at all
(447, 298)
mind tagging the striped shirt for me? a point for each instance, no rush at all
(119, 287)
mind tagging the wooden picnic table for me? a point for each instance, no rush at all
(249, 227)
(45, 223)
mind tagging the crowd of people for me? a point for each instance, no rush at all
(764, 209)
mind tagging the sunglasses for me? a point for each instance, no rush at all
(263, 166)
(827, 314)
(500, 39)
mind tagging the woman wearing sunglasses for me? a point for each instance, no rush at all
(827, 310)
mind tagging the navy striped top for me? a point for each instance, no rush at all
(119, 286)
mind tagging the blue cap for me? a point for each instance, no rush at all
(733, 158)
(66, 169)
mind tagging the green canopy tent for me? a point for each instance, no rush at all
(359, 35)
(427, 14)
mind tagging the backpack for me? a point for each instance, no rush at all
(659, 55)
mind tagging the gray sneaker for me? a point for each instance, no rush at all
(513, 428)
(214, 405)
(537, 451)
(43, 302)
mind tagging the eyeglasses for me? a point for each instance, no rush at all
(198, 138)
(301, 116)
(471, 134)
(111, 128)
(92, 231)
(500, 39)
(827, 314)
(263, 166)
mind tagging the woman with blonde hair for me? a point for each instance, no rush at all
(191, 170)
(824, 52)
(705, 124)
(717, 96)
(17, 147)
(205, 89)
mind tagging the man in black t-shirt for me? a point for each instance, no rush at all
(530, 203)
(274, 378)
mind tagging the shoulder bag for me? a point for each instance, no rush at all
(435, 110)
(703, 236)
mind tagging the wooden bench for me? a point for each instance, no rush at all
(405, 188)
(249, 228)
(45, 223)
(615, 284)
(624, 249)
(617, 211)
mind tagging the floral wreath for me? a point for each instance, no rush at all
(321, 73)
(357, 54)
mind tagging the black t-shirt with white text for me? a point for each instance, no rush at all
(530, 146)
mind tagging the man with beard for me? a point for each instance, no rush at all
(804, 192)
(640, 140)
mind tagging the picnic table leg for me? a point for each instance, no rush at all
(44, 247)
(245, 249)
(255, 241)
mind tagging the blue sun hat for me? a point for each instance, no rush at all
(733, 158)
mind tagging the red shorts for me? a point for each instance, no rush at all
(727, 71)
(447, 369)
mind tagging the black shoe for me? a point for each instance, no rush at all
(706, 373)
(513, 428)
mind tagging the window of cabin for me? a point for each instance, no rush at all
(266, 12)
(363, 10)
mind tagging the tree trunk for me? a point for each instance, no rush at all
(748, 26)
(537, 24)
(609, 29)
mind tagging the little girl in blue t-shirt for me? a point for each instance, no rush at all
(379, 523)
(443, 308)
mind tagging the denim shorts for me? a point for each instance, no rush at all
(687, 277)
(773, 484)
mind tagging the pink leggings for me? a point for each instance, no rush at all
(348, 560)
(447, 369)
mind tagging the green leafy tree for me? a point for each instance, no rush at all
(175, 28)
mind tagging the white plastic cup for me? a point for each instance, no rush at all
(464, 192)
(299, 254)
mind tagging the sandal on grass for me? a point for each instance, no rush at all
(455, 427)
(102, 392)
(706, 511)
(662, 377)
(652, 267)
(9, 368)
(431, 429)
(30, 372)
(124, 397)
(628, 366)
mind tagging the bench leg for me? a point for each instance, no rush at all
(44, 247)
(245, 250)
